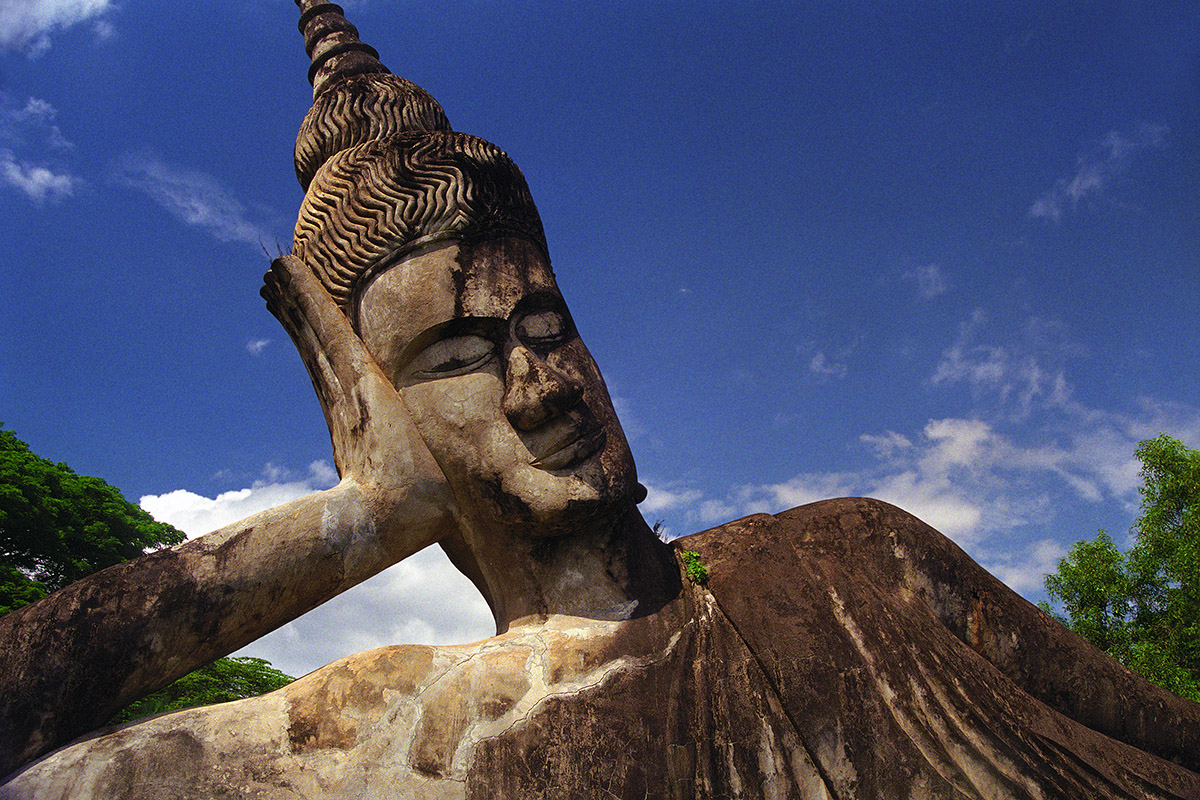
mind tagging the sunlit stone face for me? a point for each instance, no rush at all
(481, 346)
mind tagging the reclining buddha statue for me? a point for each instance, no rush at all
(843, 649)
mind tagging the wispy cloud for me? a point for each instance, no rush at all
(825, 367)
(1013, 375)
(31, 148)
(255, 346)
(193, 197)
(930, 280)
(32, 123)
(38, 183)
(26, 25)
(999, 474)
(824, 362)
(1095, 170)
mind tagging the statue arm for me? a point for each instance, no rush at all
(73, 659)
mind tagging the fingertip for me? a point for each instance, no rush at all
(281, 272)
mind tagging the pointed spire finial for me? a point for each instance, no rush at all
(332, 44)
(355, 98)
(382, 170)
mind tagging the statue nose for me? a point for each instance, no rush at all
(535, 392)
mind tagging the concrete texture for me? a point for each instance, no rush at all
(840, 650)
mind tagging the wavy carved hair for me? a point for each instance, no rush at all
(370, 205)
(360, 108)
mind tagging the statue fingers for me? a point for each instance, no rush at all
(347, 356)
(360, 404)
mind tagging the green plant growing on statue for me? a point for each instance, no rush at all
(692, 568)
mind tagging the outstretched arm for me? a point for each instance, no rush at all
(71, 660)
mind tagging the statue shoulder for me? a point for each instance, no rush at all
(861, 529)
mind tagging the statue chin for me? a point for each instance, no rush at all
(542, 503)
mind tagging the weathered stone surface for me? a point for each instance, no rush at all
(837, 652)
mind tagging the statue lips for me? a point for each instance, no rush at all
(575, 446)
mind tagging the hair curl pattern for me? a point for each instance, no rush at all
(357, 109)
(371, 203)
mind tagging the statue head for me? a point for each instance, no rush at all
(430, 242)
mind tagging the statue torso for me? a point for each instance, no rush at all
(812, 665)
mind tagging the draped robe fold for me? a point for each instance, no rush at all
(842, 649)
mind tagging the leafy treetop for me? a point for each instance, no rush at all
(1143, 607)
(57, 526)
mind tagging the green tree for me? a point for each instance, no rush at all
(57, 527)
(221, 681)
(1143, 607)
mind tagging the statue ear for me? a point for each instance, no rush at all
(639, 494)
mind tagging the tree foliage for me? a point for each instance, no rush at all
(57, 527)
(221, 681)
(1143, 607)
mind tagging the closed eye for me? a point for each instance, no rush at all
(543, 329)
(454, 355)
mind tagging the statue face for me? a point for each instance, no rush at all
(481, 347)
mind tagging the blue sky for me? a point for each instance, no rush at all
(940, 253)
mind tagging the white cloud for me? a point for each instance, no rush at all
(421, 600)
(661, 499)
(807, 488)
(1026, 571)
(195, 514)
(32, 128)
(38, 183)
(104, 30)
(255, 346)
(26, 25)
(826, 368)
(714, 512)
(191, 196)
(930, 281)
(1095, 171)
(886, 444)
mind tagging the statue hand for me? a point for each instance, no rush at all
(374, 440)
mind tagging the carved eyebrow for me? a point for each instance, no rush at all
(539, 301)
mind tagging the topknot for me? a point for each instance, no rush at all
(358, 109)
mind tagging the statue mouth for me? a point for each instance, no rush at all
(575, 447)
